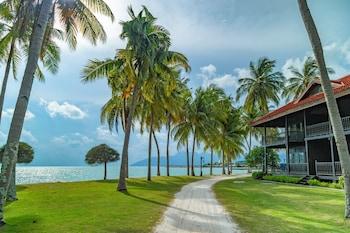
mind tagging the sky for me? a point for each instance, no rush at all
(219, 38)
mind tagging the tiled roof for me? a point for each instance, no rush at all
(307, 102)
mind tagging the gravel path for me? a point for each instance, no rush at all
(195, 209)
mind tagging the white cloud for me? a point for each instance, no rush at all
(28, 136)
(209, 70)
(65, 109)
(103, 134)
(229, 82)
(295, 62)
(72, 139)
(8, 113)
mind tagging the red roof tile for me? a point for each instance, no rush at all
(309, 101)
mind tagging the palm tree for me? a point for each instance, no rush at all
(331, 102)
(301, 79)
(261, 87)
(76, 17)
(247, 118)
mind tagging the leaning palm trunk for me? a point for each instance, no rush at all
(211, 161)
(193, 148)
(12, 192)
(11, 148)
(149, 164)
(167, 148)
(6, 77)
(187, 158)
(158, 153)
(105, 171)
(123, 165)
(332, 106)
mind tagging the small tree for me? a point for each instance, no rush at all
(256, 157)
(101, 154)
(25, 153)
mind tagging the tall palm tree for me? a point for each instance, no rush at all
(331, 102)
(247, 118)
(75, 17)
(301, 79)
(261, 87)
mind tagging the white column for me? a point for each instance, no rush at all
(306, 144)
(332, 154)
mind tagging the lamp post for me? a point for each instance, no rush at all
(201, 165)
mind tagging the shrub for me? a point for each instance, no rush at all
(283, 179)
(341, 181)
(257, 175)
(336, 185)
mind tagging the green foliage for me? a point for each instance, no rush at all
(257, 175)
(101, 154)
(256, 157)
(336, 185)
(25, 153)
(283, 179)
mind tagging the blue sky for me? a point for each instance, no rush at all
(220, 38)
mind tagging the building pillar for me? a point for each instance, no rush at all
(287, 145)
(265, 170)
(332, 155)
(306, 144)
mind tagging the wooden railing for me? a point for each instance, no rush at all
(298, 168)
(326, 168)
(324, 128)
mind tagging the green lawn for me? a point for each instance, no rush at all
(93, 206)
(261, 206)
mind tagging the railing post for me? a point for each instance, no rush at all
(265, 152)
(287, 145)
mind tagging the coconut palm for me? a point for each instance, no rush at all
(301, 79)
(247, 118)
(75, 16)
(331, 102)
(261, 87)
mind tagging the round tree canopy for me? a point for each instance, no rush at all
(25, 153)
(101, 154)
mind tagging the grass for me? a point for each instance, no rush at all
(93, 206)
(283, 179)
(261, 206)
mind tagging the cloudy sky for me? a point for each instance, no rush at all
(220, 38)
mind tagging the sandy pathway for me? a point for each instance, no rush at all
(195, 209)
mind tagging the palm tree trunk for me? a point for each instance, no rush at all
(158, 153)
(187, 158)
(331, 102)
(250, 142)
(6, 76)
(124, 122)
(223, 163)
(149, 164)
(211, 161)
(167, 147)
(193, 148)
(124, 163)
(105, 172)
(11, 148)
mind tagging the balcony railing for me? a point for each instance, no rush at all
(326, 168)
(324, 128)
(280, 138)
(298, 168)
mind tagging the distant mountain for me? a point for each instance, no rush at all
(178, 159)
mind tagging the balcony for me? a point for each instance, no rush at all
(298, 169)
(326, 168)
(280, 138)
(324, 128)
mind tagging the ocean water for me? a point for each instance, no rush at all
(32, 174)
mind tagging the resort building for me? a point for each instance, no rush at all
(302, 128)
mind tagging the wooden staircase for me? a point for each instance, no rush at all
(305, 179)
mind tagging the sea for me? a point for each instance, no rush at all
(50, 174)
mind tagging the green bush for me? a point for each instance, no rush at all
(336, 185)
(283, 179)
(257, 175)
(341, 181)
